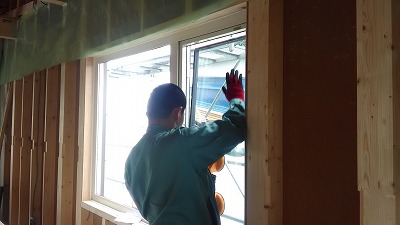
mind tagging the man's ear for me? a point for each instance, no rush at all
(177, 112)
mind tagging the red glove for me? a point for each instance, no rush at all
(234, 86)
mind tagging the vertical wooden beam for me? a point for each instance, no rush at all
(69, 109)
(396, 101)
(15, 154)
(49, 202)
(26, 150)
(264, 194)
(86, 108)
(378, 110)
(38, 108)
(7, 159)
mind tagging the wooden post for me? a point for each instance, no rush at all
(39, 93)
(68, 142)
(49, 202)
(378, 105)
(15, 154)
(264, 194)
(26, 150)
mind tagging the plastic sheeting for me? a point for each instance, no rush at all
(52, 34)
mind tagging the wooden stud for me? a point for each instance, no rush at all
(49, 202)
(378, 111)
(7, 112)
(15, 154)
(39, 88)
(26, 150)
(7, 159)
(86, 108)
(68, 142)
(264, 191)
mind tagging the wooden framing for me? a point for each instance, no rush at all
(49, 203)
(7, 155)
(264, 195)
(15, 154)
(84, 134)
(68, 142)
(38, 144)
(378, 105)
(8, 29)
(26, 150)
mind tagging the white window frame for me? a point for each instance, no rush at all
(219, 23)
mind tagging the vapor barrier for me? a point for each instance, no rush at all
(52, 34)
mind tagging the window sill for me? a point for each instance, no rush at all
(110, 214)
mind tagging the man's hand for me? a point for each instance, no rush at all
(234, 86)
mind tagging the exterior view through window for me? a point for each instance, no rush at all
(209, 60)
(123, 86)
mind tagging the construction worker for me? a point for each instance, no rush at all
(166, 173)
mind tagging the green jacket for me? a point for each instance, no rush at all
(167, 173)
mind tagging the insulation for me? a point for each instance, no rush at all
(53, 34)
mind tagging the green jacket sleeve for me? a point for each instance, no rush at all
(205, 144)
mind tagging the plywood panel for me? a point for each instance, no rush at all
(39, 93)
(26, 150)
(377, 110)
(86, 217)
(15, 154)
(49, 203)
(320, 130)
(68, 142)
(264, 112)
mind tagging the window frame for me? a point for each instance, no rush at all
(214, 25)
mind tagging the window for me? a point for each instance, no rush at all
(208, 61)
(195, 58)
(124, 85)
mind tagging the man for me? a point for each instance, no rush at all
(167, 173)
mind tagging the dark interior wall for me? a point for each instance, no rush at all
(320, 123)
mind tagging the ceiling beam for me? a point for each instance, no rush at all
(8, 30)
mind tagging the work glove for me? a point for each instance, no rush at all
(234, 86)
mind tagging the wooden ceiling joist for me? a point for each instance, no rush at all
(8, 30)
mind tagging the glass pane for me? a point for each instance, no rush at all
(128, 83)
(210, 64)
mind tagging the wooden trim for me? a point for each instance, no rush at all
(378, 110)
(49, 202)
(68, 142)
(15, 154)
(264, 190)
(26, 150)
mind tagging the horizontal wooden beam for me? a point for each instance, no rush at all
(56, 2)
(8, 30)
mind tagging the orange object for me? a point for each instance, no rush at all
(220, 203)
(218, 165)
